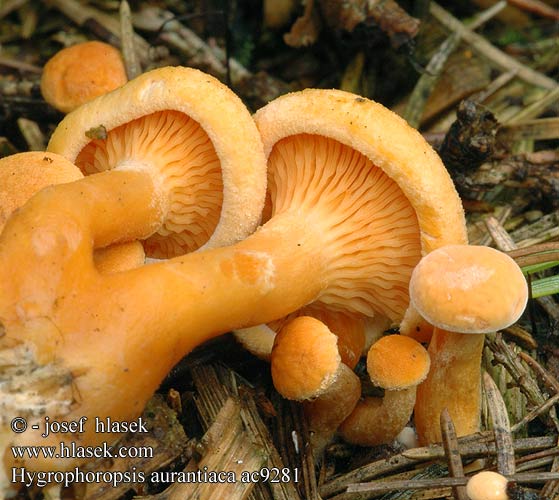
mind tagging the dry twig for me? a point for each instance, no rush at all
(382, 486)
(473, 446)
(537, 7)
(509, 359)
(501, 427)
(496, 56)
(452, 452)
(428, 79)
(131, 62)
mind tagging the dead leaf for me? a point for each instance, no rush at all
(387, 14)
(305, 29)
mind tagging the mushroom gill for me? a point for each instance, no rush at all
(363, 223)
(178, 148)
(187, 134)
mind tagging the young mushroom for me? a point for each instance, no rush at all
(397, 364)
(81, 72)
(24, 174)
(464, 291)
(306, 366)
(356, 197)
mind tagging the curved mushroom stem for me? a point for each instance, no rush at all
(182, 294)
(111, 206)
(23, 175)
(325, 413)
(453, 382)
(376, 421)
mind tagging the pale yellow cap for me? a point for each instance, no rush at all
(487, 485)
(468, 289)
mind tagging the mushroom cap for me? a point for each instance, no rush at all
(305, 359)
(258, 340)
(397, 362)
(24, 174)
(469, 289)
(349, 328)
(383, 137)
(407, 205)
(487, 485)
(197, 140)
(81, 72)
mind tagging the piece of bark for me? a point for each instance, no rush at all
(345, 15)
(305, 29)
(165, 440)
(227, 450)
(469, 142)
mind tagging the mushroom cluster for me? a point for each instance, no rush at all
(354, 203)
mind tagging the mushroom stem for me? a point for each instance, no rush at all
(455, 358)
(376, 421)
(184, 292)
(249, 277)
(325, 413)
(113, 206)
(23, 175)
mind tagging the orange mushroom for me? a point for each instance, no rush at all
(351, 330)
(81, 72)
(463, 291)
(487, 485)
(397, 364)
(59, 312)
(353, 186)
(306, 366)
